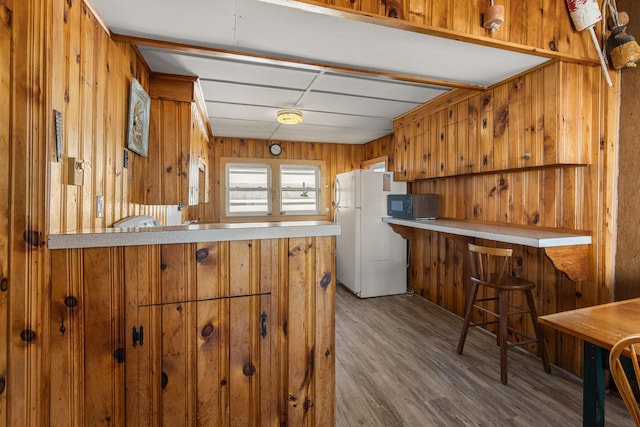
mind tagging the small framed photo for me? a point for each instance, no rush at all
(139, 109)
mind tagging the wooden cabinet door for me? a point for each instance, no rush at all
(473, 161)
(414, 128)
(203, 363)
(418, 155)
(533, 150)
(441, 142)
(485, 155)
(431, 139)
(168, 159)
(402, 143)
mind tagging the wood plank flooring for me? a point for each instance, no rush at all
(396, 365)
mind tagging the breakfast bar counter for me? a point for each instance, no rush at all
(528, 236)
(567, 250)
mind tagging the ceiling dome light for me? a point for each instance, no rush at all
(289, 117)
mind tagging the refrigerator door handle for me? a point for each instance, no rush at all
(336, 192)
(336, 214)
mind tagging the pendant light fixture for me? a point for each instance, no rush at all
(289, 116)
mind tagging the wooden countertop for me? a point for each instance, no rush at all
(528, 236)
(210, 232)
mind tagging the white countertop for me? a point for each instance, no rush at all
(528, 236)
(210, 232)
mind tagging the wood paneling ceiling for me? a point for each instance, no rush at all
(349, 78)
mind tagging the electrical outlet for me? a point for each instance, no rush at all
(99, 205)
(125, 163)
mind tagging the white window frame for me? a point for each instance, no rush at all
(268, 189)
(315, 189)
(275, 191)
(377, 164)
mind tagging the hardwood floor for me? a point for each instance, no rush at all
(396, 365)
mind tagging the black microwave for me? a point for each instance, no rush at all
(412, 206)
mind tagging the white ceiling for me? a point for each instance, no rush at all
(318, 73)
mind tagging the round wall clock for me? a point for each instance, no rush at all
(275, 149)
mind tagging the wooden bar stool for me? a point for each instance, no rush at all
(488, 268)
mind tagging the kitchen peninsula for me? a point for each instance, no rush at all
(207, 232)
(214, 322)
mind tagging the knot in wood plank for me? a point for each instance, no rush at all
(28, 335)
(202, 254)
(326, 280)
(207, 330)
(248, 369)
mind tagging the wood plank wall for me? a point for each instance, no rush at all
(5, 194)
(90, 86)
(541, 24)
(338, 157)
(559, 196)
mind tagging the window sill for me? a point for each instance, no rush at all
(275, 218)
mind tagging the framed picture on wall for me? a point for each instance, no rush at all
(139, 109)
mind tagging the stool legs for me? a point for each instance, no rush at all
(502, 334)
(467, 316)
(503, 341)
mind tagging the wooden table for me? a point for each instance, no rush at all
(600, 327)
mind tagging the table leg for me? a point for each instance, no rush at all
(593, 386)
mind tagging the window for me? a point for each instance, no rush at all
(378, 167)
(248, 189)
(299, 189)
(273, 188)
(378, 164)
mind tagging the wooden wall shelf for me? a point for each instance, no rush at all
(528, 236)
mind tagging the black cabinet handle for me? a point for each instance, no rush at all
(137, 337)
(263, 316)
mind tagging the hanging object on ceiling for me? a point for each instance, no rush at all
(493, 16)
(585, 14)
(623, 49)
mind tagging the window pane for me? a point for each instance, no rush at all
(378, 167)
(298, 177)
(247, 176)
(248, 202)
(248, 188)
(299, 189)
(299, 202)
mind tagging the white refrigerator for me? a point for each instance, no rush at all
(371, 259)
